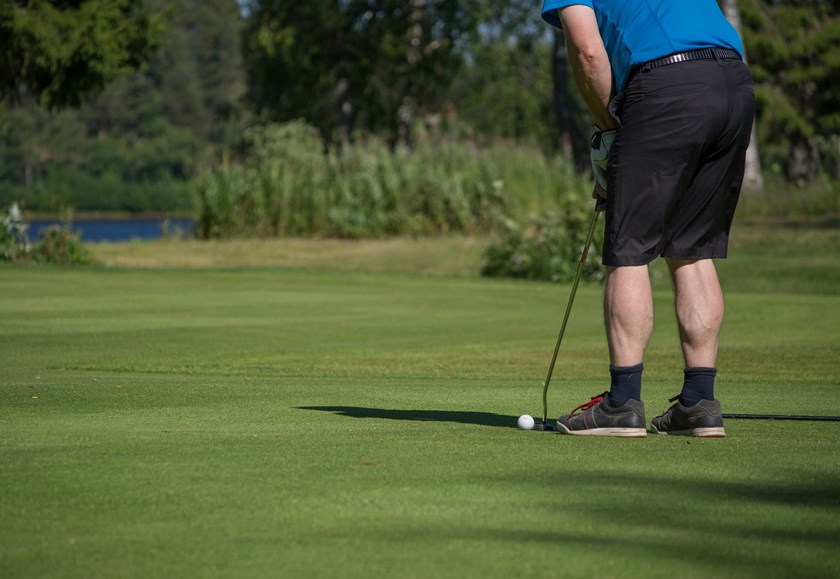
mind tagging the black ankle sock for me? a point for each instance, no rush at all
(625, 384)
(699, 385)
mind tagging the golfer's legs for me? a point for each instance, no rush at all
(699, 306)
(628, 313)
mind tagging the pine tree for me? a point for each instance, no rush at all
(337, 63)
(62, 51)
(794, 51)
(135, 145)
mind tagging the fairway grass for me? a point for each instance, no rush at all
(324, 423)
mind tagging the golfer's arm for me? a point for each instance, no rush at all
(589, 62)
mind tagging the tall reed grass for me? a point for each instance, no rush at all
(289, 185)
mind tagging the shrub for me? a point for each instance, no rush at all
(14, 243)
(61, 246)
(58, 244)
(547, 248)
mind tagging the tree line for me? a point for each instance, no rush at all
(127, 104)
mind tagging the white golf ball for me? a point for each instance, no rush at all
(525, 422)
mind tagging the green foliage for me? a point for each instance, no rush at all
(470, 74)
(548, 248)
(369, 199)
(534, 181)
(291, 186)
(780, 197)
(447, 187)
(505, 89)
(794, 54)
(342, 65)
(53, 161)
(14, 244)
(198, 74)
(135, 147)
(281, 191)
(64, 51)
(60, 246)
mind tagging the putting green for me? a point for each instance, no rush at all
(291, 423)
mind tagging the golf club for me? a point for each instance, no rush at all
(782, 417)
(583, 255)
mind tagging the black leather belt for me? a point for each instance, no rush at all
(702, 54)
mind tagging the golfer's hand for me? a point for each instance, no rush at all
(600, 195)
(599, 152)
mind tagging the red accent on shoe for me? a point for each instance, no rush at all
(595, 400)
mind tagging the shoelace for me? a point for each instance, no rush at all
(595, 400)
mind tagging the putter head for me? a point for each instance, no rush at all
(544, 426)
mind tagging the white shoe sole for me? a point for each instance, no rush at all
(709, 432)
(616, 432)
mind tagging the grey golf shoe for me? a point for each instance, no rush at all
(598, 418)
(704, 420)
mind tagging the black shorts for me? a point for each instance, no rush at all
(675, 169)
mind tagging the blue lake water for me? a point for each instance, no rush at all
(120, 229)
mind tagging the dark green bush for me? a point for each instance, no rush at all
(547, 248)
(58, 244)
(61, 246)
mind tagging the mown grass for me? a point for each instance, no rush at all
(290, 422)
(458, 256)
(782, 256)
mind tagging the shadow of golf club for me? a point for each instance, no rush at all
(476, 418)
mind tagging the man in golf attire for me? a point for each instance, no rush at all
(673, 105)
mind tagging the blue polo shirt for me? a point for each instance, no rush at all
(638, 31)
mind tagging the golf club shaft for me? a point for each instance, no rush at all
(583, 256)
(783, 417)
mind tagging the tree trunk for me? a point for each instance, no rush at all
(753, 178)
(343, 96)
(344, 110)
(803, 160)
(407, 110)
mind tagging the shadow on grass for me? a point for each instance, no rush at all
(690, 517)
(752, 527)
(476, 418)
